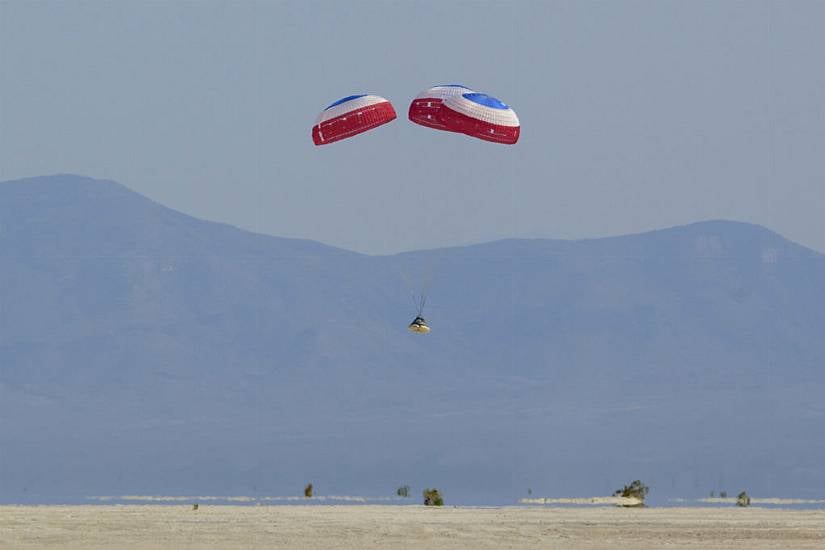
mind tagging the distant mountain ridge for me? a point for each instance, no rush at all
(144, 351)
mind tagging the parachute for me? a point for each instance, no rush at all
(449, 107)
(480, 116)
(351, 116)
(425, 109)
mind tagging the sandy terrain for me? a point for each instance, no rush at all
(373, 527)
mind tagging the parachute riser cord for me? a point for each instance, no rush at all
(419, 301)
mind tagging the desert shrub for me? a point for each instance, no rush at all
(637, 489)
(742, 499)
(308, 491)
(403, 491)
(433, 498)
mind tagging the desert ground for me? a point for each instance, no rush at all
(385, 526)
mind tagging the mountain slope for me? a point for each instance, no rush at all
(145, 351)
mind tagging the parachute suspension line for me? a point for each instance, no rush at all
(419, 301)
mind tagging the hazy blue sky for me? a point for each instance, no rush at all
(635, 115)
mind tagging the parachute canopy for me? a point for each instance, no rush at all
(481, 116)
(425, 109)
(351, 116)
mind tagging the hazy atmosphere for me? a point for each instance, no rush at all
(635, 115)
(212, 224)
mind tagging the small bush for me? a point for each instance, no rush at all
(637, 489)
(433, 498)
(403, 491)
(742, 499)
(723, 494)
(308, 491)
